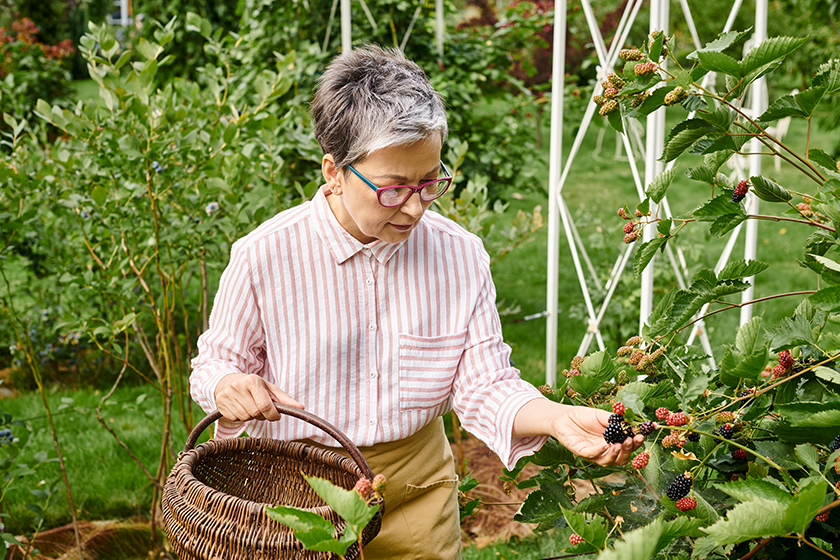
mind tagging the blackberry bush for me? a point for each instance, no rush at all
(747, 457)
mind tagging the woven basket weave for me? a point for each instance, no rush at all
(215, 497)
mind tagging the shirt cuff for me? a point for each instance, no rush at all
(509, 448)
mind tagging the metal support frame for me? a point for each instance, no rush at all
(654, 144)
(347, 24)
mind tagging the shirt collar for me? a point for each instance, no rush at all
(341, 244)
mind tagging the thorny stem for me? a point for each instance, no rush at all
(742, 304)
(643, 479)
(730, 442)
(785, 219)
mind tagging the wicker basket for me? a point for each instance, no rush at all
(214, 499)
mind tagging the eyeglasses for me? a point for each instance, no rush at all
(396, 195)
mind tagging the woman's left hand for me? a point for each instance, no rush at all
(580, 429)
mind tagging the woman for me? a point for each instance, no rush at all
(378, 316)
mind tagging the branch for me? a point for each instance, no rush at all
(742, 304)
(785, 219)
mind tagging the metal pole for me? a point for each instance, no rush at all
(346, 37)
(655, 142)
(558, 86)
(758, 105)
(439, 27)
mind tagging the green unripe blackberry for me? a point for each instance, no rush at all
(630, 55)
(680, 487)
(634, 340)
(676, 95)
(724, 417)
(608, 107)
(615, 80)
(598, 100)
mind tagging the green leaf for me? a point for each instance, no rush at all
(199, 24)
(99, 195)
(540, 506)
(719, 62)
(827, 299)
(723, 42)
(789, 333)
(664, 227)
(639, 544)
(124, 58)
(824, 419)
(148, 49)
(779, 453)
(645, 254)
(346, 503)
(808, 455)
(298, 519)
(742, 269)
(657, 188)
(758, 518)
(785, 106)
(725, 224)
(828, 76)
(769, 190)
(827, 374)
(769, 51)
(749, 489)
(721, 205)
(615, 121)
(747, 335)
(820, 157)
(805, 505)
(681, 140)
(591, 528)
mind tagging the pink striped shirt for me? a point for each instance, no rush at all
(377, 339)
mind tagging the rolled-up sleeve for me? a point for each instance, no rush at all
(235, 340)
(488, 391)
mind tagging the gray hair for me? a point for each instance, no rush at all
(369, 99)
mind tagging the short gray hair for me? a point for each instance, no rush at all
(369, 99)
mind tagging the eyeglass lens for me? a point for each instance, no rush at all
(395, 197)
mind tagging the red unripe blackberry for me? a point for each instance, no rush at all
(618, 408)
(634, 340)
(640, 461)
(779, 371)
(740, 191)
(646, 428)
(644, 68)
(823, 516)
(363, 487)
(785, 359)
(575, 539)
(629, 226)
(739, 454)
(379, 483)
(671, 440)
(632, 236)
(686, 504)
(662, 413)
(680, 487)
(622, 212)
(676, 419)
(611, 92)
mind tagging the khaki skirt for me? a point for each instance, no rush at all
(421, 519)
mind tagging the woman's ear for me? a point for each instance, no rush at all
(331, 174)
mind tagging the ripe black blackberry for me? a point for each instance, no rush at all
(615, 433)
(746, 393)
(836, 444)
(616, 419)
(646, 428)
(680, 487)
(693, 436)
(724, 431)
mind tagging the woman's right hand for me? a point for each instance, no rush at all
(242, 396)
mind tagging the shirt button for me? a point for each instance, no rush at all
(372, 327)
(373, 374)
(366, 252)
(372, 421)
(369, 281)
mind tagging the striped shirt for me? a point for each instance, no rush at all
(377, 339)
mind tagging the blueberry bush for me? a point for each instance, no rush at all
(740, 459)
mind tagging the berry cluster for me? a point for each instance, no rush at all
(740, 191)
(823, 516)
(630, 55)
(363, 487)
(739, 454)
(617, 430)
(676, 419)
(680, 487)
(835, 444)
(6, 437)
(575, 539)
(646, 428)
(618, 408)
(725, 431)
(675, 96)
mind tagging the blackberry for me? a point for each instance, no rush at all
(805, 209)
(671, 440)
(823, 516)
(615, 433)
(739, 454)
(676, 95)
(693, 437)
(646, 428)
(640, 461)
(575, 539)
(724, 417)
(779, 371)
(676, 419)
(746, 393)
(740, 191)
(608, 107)
(630, 55)
(615, 80)
(644, 68)
(577, 361)
(662, 413)
(611, 93)
(616, 419)
(363, 487)
(634, 340)
(724, 431)
(680, 487)
(836, 444)
(629, 226)
(379, 483)
(618, 408)
(630, 238)
(785, 359)
(686, 504)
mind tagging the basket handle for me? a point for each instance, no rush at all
(302, 415)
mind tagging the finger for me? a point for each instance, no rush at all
(281, 397)
(264, 404)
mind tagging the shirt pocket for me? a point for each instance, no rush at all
(427, 368)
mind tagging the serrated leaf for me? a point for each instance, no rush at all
(822, 158)
(645, 254)
(591, 528)
(788, 333)
(805, 505)
(771, 50)
(747, 335)
(824, 419)
(785, 106)
(742, 269)
(615, 121)
(725, 224)
(657, 188)
(826, 262)
(298, 519)
(808, 456)
(827, 374)
(716, 61)
(639, 544)
(778, 452)
(346, 503)
(701, 173)
(721, 205)
(723, 42)
(828, 76)
(682, 141)
(769, 190)
(827, 299)
(751, 520)
(540, 506)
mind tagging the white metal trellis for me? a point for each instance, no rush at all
(347, 24)
(654, 143)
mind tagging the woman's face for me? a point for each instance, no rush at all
(355, 204)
